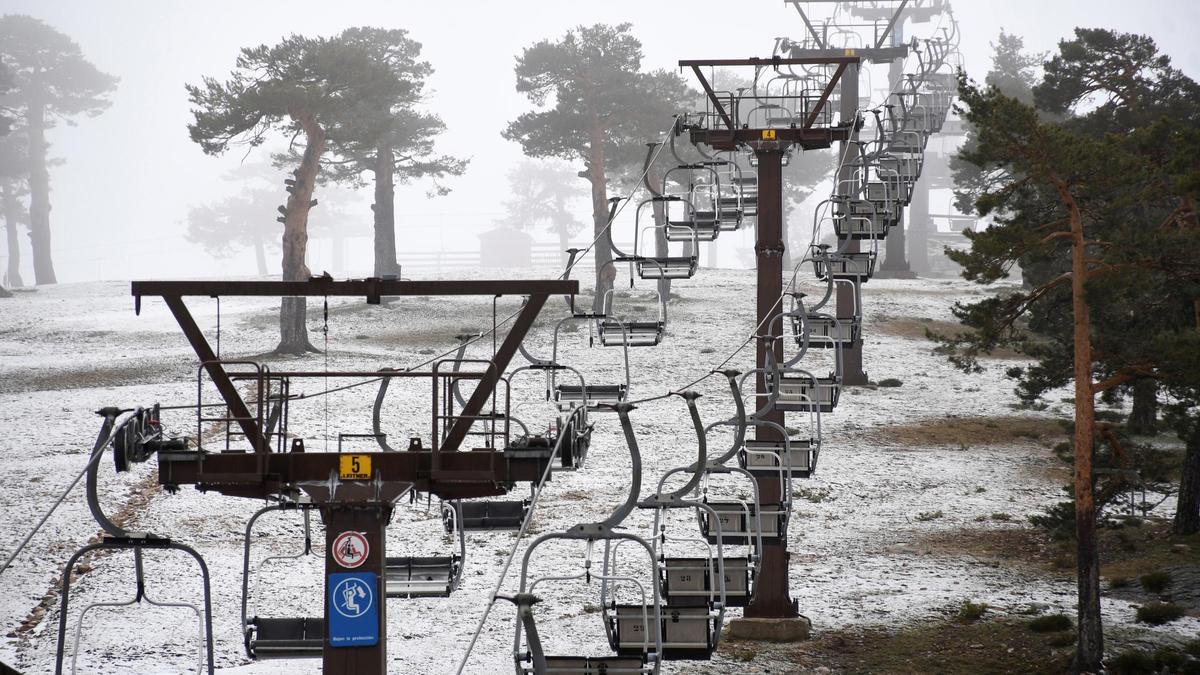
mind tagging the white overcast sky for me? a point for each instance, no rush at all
(130, 174)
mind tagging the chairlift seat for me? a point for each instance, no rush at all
(485, 515)
(860, 266)
(689, 230)
(824, 331)
(735, 525)
(672, 267)
(763, 459)
(689, 581)
(285, 638)
(867, 226)
(421, 577)
(800, 393)
(687, 632)
(615, 333)
(569, 396)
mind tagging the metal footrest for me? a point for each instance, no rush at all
(569, 395)
(421, 577)
(615, 333)
(287, 638)
(483, 515)
(735, 518)
(763, 459)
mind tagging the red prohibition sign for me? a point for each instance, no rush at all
(350, 549)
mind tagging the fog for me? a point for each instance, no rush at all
(130, 175)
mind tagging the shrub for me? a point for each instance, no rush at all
(1051, 623)
(1002, 517)
(1058, 520)
(1158, 613)
(1155, 582)
(889, 382)
(1118, 582)
(1135, 662)
(926, 516)
(972, 611)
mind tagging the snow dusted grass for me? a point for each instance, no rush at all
(865, 556)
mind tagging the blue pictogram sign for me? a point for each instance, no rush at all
(352, 609)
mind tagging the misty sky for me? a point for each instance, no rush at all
(120, 200)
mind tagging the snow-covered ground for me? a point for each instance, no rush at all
(69, 350)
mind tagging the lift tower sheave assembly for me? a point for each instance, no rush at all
(727, 127)
(354, 492)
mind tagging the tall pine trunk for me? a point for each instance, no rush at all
(1143, 418)
(39, 197)
(1090, 648)
(605, 271)
(1187, 511)
(12, 218)
(293, 333)
(385, 212)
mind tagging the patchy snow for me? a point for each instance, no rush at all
(66, 351)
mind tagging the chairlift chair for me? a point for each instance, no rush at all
(619, 332)
(426, 576)
(482, 515)
(801, 391)
(279, 637)
(134, 436)
(641, 658)
(859, 266)
(656, 266)
(594, 397)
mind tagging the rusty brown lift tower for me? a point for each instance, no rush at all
(728, 128)
(354, 492)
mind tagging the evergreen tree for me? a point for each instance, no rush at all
(1126, 270)
(303, 88)
(51, 82)
(597, 107)
(388, 136)
(543, 192)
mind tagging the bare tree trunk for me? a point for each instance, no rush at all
(293, 333)
(1187, 511)
(385, 212)
(605, 271)
(260, 256)
(1143, 418)
(1090, 648)
(12, 218)
(39, 198)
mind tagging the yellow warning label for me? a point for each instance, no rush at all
(850, 52)
(768, 134)
(354, 467)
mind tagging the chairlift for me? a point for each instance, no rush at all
(426, 576)
(134, 435)
(617, 331)
(853, 265)
(279, 637)
(656, 266)
(640, 656)
(595, 397)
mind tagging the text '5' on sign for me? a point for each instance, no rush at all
(354, 467)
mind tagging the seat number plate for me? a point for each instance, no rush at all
(354, 467)
(768, 134)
